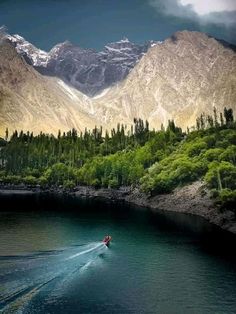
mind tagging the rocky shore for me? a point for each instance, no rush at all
(192, 199)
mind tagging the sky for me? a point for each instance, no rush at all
(94, 23)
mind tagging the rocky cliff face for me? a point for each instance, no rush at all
(30, 101)
(179, 79)
(87, 70)
(193, 199)
(182, 77)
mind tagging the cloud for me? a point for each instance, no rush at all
(173, 7)
(202, 11)
(202, 7)
(226, 18)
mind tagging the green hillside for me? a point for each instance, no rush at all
(155, 161)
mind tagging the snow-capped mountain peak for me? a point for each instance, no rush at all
(37, 57)
(88, 70)
(124, 40)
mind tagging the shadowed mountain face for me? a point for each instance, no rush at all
(87, 70)
(186, 75)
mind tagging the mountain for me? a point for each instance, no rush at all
(30, 101)
(187, 74)
(87, 70)
(184, 76)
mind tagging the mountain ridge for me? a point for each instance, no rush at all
(180, 78)
(177, 79)
(88, 70)
(30, 101)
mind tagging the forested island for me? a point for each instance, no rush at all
(155, 162)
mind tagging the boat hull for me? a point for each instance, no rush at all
(107, 240)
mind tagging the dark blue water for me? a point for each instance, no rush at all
(52, 260)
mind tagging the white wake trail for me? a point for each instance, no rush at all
(86, 251)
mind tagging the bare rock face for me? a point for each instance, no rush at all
(186, 75)
(30, 101)
(179, 79)
(194, 199)
(87, 70)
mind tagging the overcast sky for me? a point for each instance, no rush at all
(93, 23)
(202, 7)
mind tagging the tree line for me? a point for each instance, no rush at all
(155, 161)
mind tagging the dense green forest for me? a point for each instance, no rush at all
(155, 161)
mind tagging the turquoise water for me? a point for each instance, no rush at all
(52, 260)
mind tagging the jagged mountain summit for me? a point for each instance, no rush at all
(180, 78)
(186, 75)
(87, 70)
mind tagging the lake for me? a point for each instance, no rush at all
(52, 259)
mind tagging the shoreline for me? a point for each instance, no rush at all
(193, 199)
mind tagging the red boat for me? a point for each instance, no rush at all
(107, 240)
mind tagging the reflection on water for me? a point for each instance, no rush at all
(22, 276)
(52, 259)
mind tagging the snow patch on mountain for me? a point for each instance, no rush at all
(37, 56)
(103, 93)
(87, 70)
(124, 40)
(69, 91)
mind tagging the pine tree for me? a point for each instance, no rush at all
(228, 114)
(202, 121)
(6, 134)
(216, 123)
(221, 119)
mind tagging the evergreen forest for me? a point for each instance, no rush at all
(155, 161)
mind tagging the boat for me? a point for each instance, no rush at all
(107, 240)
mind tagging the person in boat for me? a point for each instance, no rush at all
(106, 239)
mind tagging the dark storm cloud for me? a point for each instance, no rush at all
(94, 23)
(205, 16)
(208, 13)
(173, 7)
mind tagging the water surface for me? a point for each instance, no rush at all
(52, 259)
